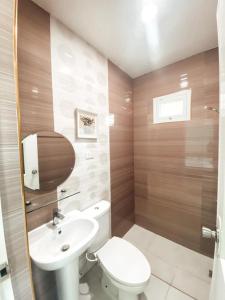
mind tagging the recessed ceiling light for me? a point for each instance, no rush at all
(149, 11)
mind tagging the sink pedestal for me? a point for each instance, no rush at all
(67, 280)
(57, 250)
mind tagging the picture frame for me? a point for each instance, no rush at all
(86, 124)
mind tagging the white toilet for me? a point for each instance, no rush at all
(124, 265)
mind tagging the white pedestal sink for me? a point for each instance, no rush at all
(57, 248)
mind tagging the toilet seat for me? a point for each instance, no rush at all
(124, 262)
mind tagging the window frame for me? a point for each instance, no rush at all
(186, 116)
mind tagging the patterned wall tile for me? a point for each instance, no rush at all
(80, 80)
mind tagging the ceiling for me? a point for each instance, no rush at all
(140, 35)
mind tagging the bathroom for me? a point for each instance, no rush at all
(112, 150)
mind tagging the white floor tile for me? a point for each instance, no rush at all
(194, 263)
(191, 285)
(183, 269)
(164, 249)
(156, 290)
(174, 294)
(140, 237)
(160, 268)
(177, 265)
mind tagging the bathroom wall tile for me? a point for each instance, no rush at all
(34, 68)
(10, 181)
(10, 186)
(40, 216)
(184, 152)
(39, 200)
(75, 85)
(35, 96)
(172, 216)
(122, 222)
(123, 216)
(70, 203)
(156, 290)
(35, 88)
(174, 294)
(6, 37)
(16, 240)
(121, 150)
(22, 285)
(16, 243)
(8, 116)
(191, 285)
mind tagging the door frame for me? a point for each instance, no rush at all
(218, 280)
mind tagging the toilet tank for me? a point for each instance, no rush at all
(101, 213)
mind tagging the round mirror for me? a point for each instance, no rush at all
(49, 159)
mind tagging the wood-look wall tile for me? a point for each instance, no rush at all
(40, 216)
(34, 69)
(6, 37)
(10, 180)
(35, 90)
(8, 115)
(175, 163)
(121, 162)
(121, 150)
(10, 187)
(21, 285)
(119, 176)
(16, 240)
(123, 215)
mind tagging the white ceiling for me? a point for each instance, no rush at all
(140, 35)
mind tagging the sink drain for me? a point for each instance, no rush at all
(65, 247)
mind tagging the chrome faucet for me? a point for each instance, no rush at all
(56, 216)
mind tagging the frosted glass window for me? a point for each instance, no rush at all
(172, 107)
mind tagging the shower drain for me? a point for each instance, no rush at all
(65, 247)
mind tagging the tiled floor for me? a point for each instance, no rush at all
(177, 272)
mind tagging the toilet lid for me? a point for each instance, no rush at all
(124, 262)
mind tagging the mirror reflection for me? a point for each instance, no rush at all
(49, 159)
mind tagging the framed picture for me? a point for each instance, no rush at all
(86, 124)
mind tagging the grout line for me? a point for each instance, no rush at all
(177, 267)
(170, 285)
(184, 292)
(167, 293)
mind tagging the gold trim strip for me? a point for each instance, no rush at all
(16, 77)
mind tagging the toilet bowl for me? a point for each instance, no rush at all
(122, 263)
(125, 266)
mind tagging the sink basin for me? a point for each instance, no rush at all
(51, 247)
(57, 248)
